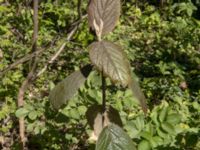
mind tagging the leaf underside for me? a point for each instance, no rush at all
(137, 92)
(67, 88)
(98, 120)
(111, 59)
(106, 10)
(114, 138)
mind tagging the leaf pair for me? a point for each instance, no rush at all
(98, 118)
(108, 57)
(106, 126)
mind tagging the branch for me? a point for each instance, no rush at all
(55, 56)
(103, 99)
(79, 9)
(22, 60)
(103, 93)
(26, 82)
(38, 52)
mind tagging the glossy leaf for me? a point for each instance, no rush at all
(104, 11)
(66, 89)
(114, 138)
(111, 59)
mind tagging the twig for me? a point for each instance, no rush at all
(79, 9)
(21, 60)
(55, 56)
(26, 82)
(103, 93)
(38, 52)
(20, 101)
(78, 21)
(35, 31)
(103, 99)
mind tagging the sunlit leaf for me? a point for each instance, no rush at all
(32, 115)
(161, 133)
(22, 112)
(67, 88)
(163, 114)
(173, 118)
(144, 145)
(114, 138)
(156, 141)
(107, 11)
(146, 135)
(168, 127)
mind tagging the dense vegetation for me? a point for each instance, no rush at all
(162, 41)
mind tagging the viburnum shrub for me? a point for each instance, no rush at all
(111, 61)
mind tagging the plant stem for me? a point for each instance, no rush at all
(26, 82)
(103, 93)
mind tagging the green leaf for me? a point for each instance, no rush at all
(146, 135)
(154, 117)
(173, 118)
(163, 114)
(67, 88)
(131, 129)
(30, 127)
(156, 140)
(144, 145)
(114, 138)
(107, 11)
(22, 112)
(196, 105)
(150, 128)
(74, 113)
(32, 115)
(168, 127)
(82, 109)
(139, 123)
(161, 133)
(111, 59)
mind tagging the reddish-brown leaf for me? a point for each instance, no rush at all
(106, 10)
(66, 89)
(111, 59)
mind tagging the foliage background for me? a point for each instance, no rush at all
(163, 45)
